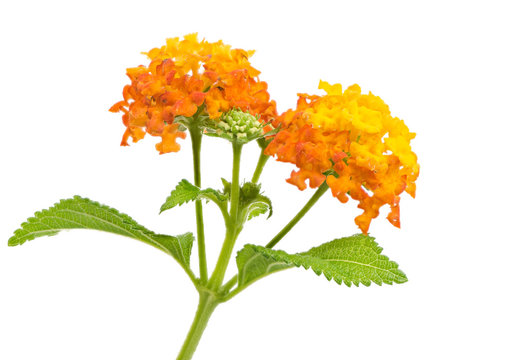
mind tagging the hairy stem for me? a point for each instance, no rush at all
(196, 140)
(206, 306)
(233, 227)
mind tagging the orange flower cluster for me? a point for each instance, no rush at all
(352, 142)
(182, 76)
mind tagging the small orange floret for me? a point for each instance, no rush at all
(169, 139)
(238, 89)
(354, 136)
(182, 76)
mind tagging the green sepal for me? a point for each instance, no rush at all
(82, 213)
(351, 260)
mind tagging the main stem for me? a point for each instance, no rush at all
(206, 306)
(232, 227)
(196, 141)
(208, 298)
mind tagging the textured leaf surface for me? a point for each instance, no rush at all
(185, 192)
(261, 205)
(82, 213)
(252, 202)
(252, 265)
(356, 259)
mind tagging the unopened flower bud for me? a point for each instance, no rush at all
(239, 125)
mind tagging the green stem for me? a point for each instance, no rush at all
(229, 285)
(196, 141)
(232, 227)
(260, 166)
(206, 306)
(263, 159)
(315, 197)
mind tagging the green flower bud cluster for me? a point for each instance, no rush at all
(240, 125)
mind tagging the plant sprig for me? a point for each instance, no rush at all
(343, 141)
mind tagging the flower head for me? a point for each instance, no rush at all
(184, 77)
(238, 126)
(351, 141)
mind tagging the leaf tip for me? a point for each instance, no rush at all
(402, 278)
(13, 241)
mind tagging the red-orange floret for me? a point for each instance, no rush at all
(173, 84)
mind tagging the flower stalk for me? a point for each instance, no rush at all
(196, 141)
(315, 197)
(263, 159)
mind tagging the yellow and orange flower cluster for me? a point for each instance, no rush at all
(352, 142)
(182, 76)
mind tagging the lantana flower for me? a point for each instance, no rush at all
(351, 141)
(184, 77)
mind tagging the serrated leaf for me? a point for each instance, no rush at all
(182, 247)
(226, 187)
(185, 192)
(252, 202)
(82, 213)
(252, 266)
(356, 259)
(261, 205)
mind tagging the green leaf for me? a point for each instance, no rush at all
(356, 259)
(260, 205)
(185, 192)
(226, 187)
(82, 213)
(252, 202)
(252, 265)
(181, 246)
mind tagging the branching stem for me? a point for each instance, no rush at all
(233, 228)
(213, 293)
(315, 197)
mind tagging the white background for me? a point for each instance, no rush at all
(446, 68)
